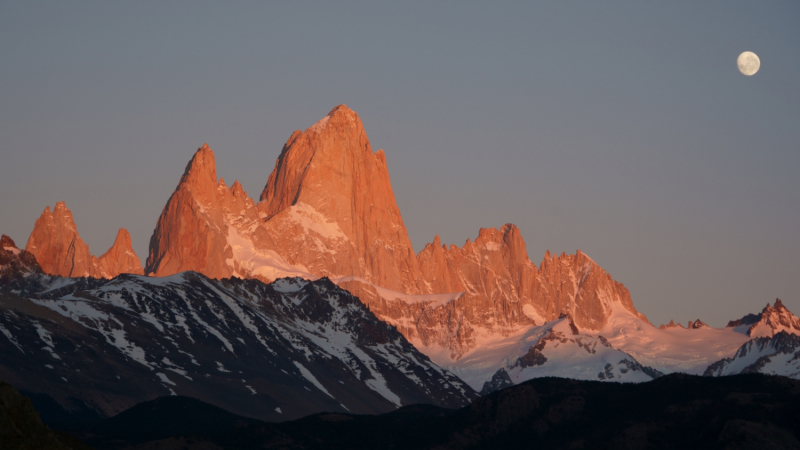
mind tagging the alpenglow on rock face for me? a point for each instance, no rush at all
(59, 249)
(57, 246)
(328, 209)
(191, 233)
(121, 258)
(330, 202)
(769, 322)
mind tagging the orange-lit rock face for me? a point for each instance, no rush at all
(330, 207)
(190, 233)
(59, 249)
(576, 285)
(57, 246)
(121, 258)
(199, 220)
(503, 292)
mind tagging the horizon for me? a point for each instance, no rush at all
(629, 142)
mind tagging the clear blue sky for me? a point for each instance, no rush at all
(619, 128)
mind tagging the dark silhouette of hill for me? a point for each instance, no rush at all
(21, 428)
(158, 419)
(675, 411)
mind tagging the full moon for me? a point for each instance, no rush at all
(748, 63)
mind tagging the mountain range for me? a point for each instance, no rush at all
(316, 288)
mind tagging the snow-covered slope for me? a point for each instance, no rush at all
(626, 342)
(625, 336)
(774, 355)
(16, 264)
(275, 351)
(674, 349)
(769, 322)
(556, 348)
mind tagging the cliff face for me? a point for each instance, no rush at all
(770, 321)
(576, 285)
(190, 233)
(502, 293)
(59, 249)
(57, 246)
(330, 207)
(121, 258)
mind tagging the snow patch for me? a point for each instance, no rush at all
(289, 285)
(313, 221)
(434, 300)
(257, 262)
(10, 337)
(530, 312)
(319, 125)
(673, 349)
(492, 246)
(164, 378)
(44, 335)
(13, 250)
(310, 377)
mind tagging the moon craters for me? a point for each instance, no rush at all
(748, 63)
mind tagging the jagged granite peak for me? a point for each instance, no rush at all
(58, 247)
(577, 285)
(121, 258)
(770, 321)
(696, 324)
(497, 262)
(330, 200)
(191, 233)
(502, 292)
(328, 209)
(478, 289)
(214, 230)
(692, 325)
(200, 175)
(778, 354)
(671, 324)
(196, 225)
(60, 251)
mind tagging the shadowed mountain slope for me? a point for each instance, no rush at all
(273, 351)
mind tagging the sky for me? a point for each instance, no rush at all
(622, 129)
